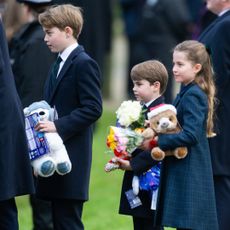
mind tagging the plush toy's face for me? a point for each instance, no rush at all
(43, 109)
(43, 113)
(164, 122)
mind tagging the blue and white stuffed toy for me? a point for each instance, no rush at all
(46, 150)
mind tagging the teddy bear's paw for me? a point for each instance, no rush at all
(181, 153)
(47, 168)
(148, 133)
(63, 168)
(157, 154)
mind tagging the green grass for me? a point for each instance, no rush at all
(101, 211)
(24, 213)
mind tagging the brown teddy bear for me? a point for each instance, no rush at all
(162, 119)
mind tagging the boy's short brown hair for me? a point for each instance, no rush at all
(61, 16)
(151, 71)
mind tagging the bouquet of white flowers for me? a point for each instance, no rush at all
(130, 115)
(126, 136)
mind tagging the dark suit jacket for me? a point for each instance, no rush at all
(217, 37)
(186, 195)
(141, 162)
(16, 173)
(77, 99)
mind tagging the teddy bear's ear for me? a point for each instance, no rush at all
(53, 114)
(26, 111)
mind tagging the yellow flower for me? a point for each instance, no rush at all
(139, 130)
(111, 143)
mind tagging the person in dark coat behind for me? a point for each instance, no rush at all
(30, 57)
(16, 173)
(216, 37)
(153, 28)
(31, 60)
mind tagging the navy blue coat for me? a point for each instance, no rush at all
(77, 99)
(16, 172)
(217, 37)
(141, 162)
(186, 196)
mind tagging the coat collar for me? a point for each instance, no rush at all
(64, 69)
(183, 90)
(159, 100)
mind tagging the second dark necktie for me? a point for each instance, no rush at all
(145, 111)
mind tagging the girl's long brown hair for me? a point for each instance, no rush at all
(197, 53)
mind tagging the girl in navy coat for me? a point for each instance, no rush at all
(186, 199)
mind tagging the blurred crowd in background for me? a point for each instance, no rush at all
(151, 28)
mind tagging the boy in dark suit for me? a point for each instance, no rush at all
(150, 80)
(73, 88)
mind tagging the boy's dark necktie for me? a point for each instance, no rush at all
(145, 110)
(54, 71)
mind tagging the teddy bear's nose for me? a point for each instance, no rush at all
(165, 125)
(41, 113)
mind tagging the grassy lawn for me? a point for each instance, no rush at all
(101, 212)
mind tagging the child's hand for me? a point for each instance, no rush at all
(145, 145)
(148, 144)
(46, 126)
(123, 164)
